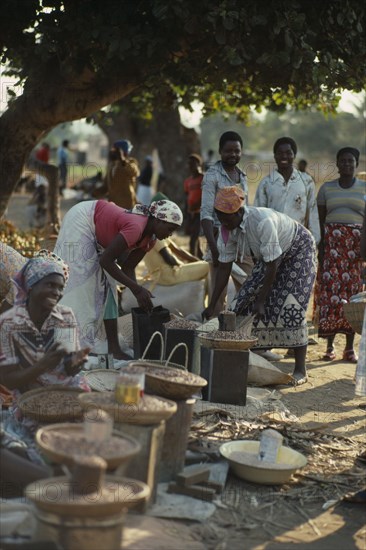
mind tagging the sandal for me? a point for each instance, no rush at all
(329, 355)
(350, 356)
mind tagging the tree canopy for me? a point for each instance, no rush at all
(75, 57)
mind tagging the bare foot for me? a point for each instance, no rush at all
(299, 378)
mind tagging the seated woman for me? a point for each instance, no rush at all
(166, 264)
(30, 353)
(103, 243)
(278, 290)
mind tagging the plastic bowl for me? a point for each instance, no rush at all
(251, 469)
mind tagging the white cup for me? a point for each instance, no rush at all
(98, 425)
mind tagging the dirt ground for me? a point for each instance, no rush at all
(293, 515)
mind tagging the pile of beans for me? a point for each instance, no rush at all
(179, 377)
(53, 403)
(225, 335)
(148, 403)
(71, 444)
(182, 324)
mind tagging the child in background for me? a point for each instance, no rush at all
(37, 205)
(193, 191)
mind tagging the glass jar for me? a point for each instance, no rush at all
(129, 388)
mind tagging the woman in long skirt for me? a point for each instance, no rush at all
(341, 206)
(278, 290)
(102, 244)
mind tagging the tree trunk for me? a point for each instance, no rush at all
(173, 141)
(41, 108)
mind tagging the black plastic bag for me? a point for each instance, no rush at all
(144, 325)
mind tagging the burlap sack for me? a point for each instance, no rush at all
(125, 329)
(263, 373)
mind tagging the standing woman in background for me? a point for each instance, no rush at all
(341, 206)
(193, 192)
(360, 389)
(122, 176)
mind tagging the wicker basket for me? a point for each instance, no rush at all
(229, 345)
(102, 379)
(354, 313)
(128, 414)
(158, 384)
(71, 409)
(76, 431)
(57, 495)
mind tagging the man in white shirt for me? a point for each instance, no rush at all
(288, 190)
(291, 192)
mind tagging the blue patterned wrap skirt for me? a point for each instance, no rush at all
(284, 324)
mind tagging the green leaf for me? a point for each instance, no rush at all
(288, 40)
(124, 44)
(114, 45)
(235, 59)
(160, 10)
(229, 23)
(296, 61)
(220, 35)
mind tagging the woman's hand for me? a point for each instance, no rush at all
(143, 297)
(207, 313)
(78, 358)
(215, 256)
(258, 309)
(53, 356)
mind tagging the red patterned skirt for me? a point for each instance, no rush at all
(338, 278)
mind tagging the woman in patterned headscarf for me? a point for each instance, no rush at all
(32, 352)
(103, 243)
(278, 290)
